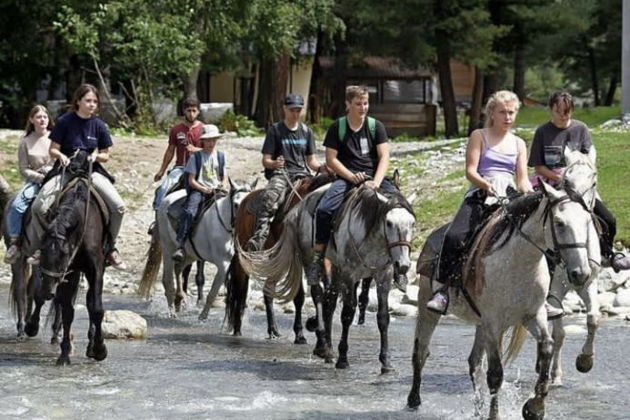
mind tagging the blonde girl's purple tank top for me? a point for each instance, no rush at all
(493, 163)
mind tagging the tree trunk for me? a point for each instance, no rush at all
(190, 83)
(338, 85)
(477, 97)
(612, 88)
(274, 75)
(451, 128)
(519, 70)
(490, 85)
(593, 70)
(314, 102)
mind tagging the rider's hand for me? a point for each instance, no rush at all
(64, 160)
(370, 184)
(92, 156)
(491, 191)
(158, 176)
(279, 162)
(358, 178)
(191, 148)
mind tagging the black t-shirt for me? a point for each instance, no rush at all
(549, 141)
(357, 150)
(293, 145)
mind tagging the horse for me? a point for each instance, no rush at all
(372, 238)
(25, 282)
(506, 280)
(74, 244)
(579, 180)
(237, 281)
(211, 240)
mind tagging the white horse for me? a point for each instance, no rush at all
(579, 180)
(211, 240)
(372, 238)
(508, 280)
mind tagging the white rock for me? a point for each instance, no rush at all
(411, 298)
(402, 310)
(124, 324)
(609, 281)
(622, 298)
(606, 299)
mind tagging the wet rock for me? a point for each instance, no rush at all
(609, 281)
(411, 297)
(606, 300)
(402, 310)
(122, 324)
(622, 298)
(572, 303)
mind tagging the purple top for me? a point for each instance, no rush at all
(492, 162)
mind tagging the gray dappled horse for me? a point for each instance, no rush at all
(507, 277)
(579, 180)
(211, 240)
(372, 238)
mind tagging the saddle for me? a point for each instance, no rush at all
(174, 211)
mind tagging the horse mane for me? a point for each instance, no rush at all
(503, 221)
(67, 214)
(366, 204)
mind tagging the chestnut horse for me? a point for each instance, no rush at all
(237, 281)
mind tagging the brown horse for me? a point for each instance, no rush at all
(237, 281)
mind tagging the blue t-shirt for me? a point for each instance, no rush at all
(73, 132)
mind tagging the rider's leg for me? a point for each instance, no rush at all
(271, 198)
(116, 207)
(191, 206)
(324, 217)
(618, 261)
(453, 249)
(171, 179)
(15, 218)
(36, 229)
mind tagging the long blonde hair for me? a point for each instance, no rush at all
(29, 125)
(499, 97)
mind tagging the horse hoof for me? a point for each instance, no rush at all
(311, 324)
(203, 316)
(300, 340)
(342, 364)
(31, 329)
(534, 409)
(237, 334)
(55, 340)
(321, 352)
(584, 362)
(361, 320)
(21, 337)
(387, 369)
(63, 361)
(413, 401)
(100, 353)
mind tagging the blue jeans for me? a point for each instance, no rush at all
(22, 200)
(191, 206)
(329, 205)
(171, 179)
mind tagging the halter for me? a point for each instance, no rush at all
(574, 195)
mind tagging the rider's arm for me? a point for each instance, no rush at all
(543, 171)
(382, 151)
(473, 154)
(522, 180)
(166, 160)
(55, 153)
(269, 163)
(192, 181)
(340, 169)
(102, 155)
(314, 164)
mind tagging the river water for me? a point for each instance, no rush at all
(187, 369)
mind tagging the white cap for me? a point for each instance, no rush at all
(210, 131)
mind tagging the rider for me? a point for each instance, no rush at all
(206, 173)
(493, 156)
(288, 152)
(34, 163)
(183, 141)
(546, 157)
(80, 129)
(361, 155)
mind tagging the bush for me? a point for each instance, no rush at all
(239, 124)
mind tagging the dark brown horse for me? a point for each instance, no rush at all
(237, 281)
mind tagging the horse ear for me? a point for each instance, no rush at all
(550, 191)
(396, 178)
(253, 184)
(232, 186)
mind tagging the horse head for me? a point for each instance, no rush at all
(238, 194)
(580, 177)
(570, 234)
(399, 223)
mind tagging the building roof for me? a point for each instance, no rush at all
(384, 68)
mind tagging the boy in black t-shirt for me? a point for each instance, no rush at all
(361, 154)
(288, 153)
(547, 155)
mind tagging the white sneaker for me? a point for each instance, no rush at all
(35, 258)
(439, 302)
(553, 312)
(12, 255)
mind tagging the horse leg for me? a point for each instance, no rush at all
(474, 369)
(534, 408)
(494, 376)
(19, 284)
(96, 347)
(180, 296)
(426, 321)
(272, 328)
(32, 324)
(298, 302)
(347, 316)
(558, 335)
(364, 299)
(200, 280)
(167, 281)
(185, 275)
(64, 296)
(382, 319)
(57, 323)
(317, 323)
(584, 361)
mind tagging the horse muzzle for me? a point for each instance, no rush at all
(400, 277)
(578, 276)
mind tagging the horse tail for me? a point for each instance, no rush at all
(25, 276)
(276, 262)
(236, 284)
(152, 267)
(519, 334)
